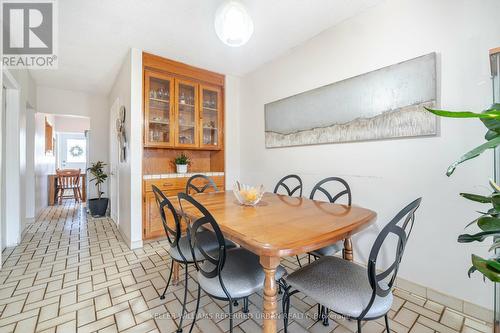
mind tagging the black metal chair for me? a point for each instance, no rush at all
(345, 287)
(224, 274)
(346, 191)
(180, 250)
(282, 184)
(209, 182)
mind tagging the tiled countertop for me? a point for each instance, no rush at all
(182, 175)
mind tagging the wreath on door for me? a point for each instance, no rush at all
(76, 151)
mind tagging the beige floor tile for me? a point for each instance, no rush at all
(12, 309)
(26, 325)
(68, 327)
(433, 306)
(452, 319)
(124, 319)
(435, 325)
(467, 329)
(477, 325)
(406, 317)
(419, 328)
(422, 311)
(86, 315)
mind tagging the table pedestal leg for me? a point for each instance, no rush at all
(270, 290)
(175, 273)
(347, 251)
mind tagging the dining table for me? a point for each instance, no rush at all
(281, 226)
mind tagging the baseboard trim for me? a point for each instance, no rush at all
(452, 302)
(131, 244)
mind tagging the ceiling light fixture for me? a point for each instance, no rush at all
(233, 25)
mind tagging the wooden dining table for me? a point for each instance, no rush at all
(280, 226)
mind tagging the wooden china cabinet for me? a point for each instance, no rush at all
(183, 112)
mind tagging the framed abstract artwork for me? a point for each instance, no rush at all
(384, 104)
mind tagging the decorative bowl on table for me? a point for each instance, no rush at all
(248, 195)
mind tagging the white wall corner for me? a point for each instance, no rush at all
(136, 147)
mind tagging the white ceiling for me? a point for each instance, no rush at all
(95, 35)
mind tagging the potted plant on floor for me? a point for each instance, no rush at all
(489, 219)
(99, 205)
(181, 163)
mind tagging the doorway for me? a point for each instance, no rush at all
(71, 151)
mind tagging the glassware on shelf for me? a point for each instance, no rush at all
(160, 93)
(182, 98)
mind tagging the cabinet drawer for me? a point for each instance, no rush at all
(172, 186)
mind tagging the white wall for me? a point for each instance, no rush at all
(30, 165)
(232, 130)
(386, 175)
(20, 98)
(75, 103)
(44, 164)
(128, 89)
(71, 124)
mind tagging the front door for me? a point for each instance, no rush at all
(72, 151)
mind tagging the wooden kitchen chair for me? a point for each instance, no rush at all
(68, 180)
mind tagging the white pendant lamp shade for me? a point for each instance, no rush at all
(233, 25)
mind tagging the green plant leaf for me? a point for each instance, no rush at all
(494, 246)
(490, 135)
(494, 186)
(495, 200)
(473, 222)
(479, 237)
(473, 153)
(486, 267)
(476, 197)
(491, 123)
(488, 223)
(491, 114)
(471, 270)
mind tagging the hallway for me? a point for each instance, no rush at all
(71, 273)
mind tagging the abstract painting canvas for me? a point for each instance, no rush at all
(383, 104)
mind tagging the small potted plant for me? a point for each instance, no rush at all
(181, 163)
(99, 205)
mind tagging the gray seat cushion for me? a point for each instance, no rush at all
(207, 240)
(340, 285)
(242, 275)
(329, 250)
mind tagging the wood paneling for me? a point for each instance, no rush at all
(180, 69)
(158, 161)
(161, 149)
(152, 224)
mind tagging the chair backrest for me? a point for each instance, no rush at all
(332, 198)
(290, 192)
(173, 232)
(401, 226)
(208, 182)
(205, 221)
(67, 178)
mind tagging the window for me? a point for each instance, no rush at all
(76, 151)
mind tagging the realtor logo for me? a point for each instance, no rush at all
(29, 34)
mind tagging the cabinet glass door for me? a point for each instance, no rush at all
(187, 114)
(210, 116)
(158, 114)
